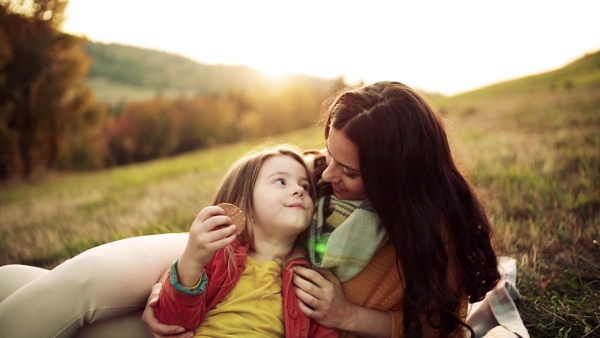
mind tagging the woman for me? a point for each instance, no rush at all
(387, 145)
(387, 149)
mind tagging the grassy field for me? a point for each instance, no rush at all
(532, 147)
(46, 221)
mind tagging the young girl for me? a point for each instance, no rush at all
(227, 285)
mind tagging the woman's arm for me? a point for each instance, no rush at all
(322, 299)
(154, 326)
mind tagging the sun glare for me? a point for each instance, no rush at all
(440, 57)
(273, 74)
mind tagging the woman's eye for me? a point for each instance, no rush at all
(349, 175)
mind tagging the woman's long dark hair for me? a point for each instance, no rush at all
(417, 190)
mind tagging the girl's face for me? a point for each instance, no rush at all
(343, 170)
(282, 203)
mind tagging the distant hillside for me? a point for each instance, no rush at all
(513, 97)
(120, 73)
(160, 70)
(583, 72)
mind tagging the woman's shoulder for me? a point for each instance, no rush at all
(377, 284)
(381, 266)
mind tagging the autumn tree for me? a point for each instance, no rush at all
(72, 120)
(25, 41)
(42, 88)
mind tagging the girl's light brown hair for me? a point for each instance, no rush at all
(238, 184)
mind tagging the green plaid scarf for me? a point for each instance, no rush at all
(346, 241)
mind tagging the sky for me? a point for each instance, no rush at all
(441, 46)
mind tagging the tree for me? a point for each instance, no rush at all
(26, 41)
(42, 73)
(61, 97)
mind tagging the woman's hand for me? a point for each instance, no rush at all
(158, 329)
(321, 298)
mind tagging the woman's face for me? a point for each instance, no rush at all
(343, 170)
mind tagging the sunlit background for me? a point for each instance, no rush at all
(101, 141)
(442, 46)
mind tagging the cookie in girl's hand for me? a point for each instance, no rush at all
(236, 214)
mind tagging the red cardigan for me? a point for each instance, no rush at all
(177, 308)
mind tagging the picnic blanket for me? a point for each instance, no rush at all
(497, 316)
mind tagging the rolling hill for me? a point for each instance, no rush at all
(120, 73)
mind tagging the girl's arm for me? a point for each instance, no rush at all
(182, 299)
(181, 305)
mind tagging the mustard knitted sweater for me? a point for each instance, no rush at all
(378, 287)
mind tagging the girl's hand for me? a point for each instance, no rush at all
(158, 329)
(321, 298)
(210, 231)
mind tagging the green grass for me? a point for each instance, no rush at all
(531, 146)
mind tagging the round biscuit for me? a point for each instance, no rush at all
(236, 214)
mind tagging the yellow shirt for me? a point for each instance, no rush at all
(253, 308)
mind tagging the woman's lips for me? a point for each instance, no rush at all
(336, 189)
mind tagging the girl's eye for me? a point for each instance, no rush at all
(306, 187)
(279, 181)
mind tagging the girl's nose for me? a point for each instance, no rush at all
(299, 190)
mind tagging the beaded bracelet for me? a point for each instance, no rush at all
(192, 291)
